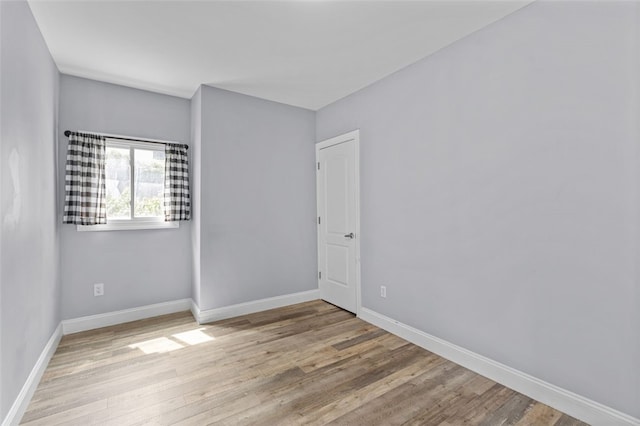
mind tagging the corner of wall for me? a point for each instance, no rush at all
(635, 113)
(2, 410)
(196, 145)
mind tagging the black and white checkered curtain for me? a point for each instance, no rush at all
(85, 189)
(177, 200)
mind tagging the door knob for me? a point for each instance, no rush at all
(349, 235)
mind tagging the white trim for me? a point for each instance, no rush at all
(336, 140)
(30, 385)
(126, 315)
(91, 322)
(561, 399)
(195, 311)
(354, 136)
(210, 315)
(568, 402)
(129, 225)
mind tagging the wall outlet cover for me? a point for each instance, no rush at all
(98, 289)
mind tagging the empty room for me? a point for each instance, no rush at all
(320, 212)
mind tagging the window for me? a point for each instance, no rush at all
(134, 173)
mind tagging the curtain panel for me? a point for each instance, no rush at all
(85, 188)
(177, 198)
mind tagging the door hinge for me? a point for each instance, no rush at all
(318, 165)
(318, 220)
(319, 275)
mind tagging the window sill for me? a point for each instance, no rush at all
(129, 225)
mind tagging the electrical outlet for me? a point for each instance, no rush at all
(383, 291)
(98, 289)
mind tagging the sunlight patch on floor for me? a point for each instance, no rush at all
(165, 344)
(194, 337)
(157, 346)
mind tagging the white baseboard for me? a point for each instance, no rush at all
(225, 312)
(195, 311)
(28, 389)
(119, 317)
(568, 402)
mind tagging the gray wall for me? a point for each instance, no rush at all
(29, 277)
(137, 267)
(257, 201)
(499, 195)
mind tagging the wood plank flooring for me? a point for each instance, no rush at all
(310, 363)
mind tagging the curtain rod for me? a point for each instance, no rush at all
(67, 133)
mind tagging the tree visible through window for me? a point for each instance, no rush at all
(134, 181)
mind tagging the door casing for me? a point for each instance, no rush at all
(346, 137)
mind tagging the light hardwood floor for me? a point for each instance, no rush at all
(310, 363)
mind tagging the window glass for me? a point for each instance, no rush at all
(134, 187)
(118, 183)
(149, 183)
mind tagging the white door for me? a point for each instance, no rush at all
(338, 221)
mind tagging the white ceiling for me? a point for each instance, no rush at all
(302, 53)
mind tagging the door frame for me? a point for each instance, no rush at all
(354, 136)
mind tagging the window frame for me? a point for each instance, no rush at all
(134, 223)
